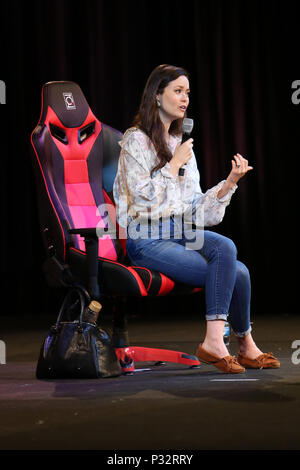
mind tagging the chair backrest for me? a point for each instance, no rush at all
(75, 162)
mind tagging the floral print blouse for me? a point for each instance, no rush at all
(138, 194)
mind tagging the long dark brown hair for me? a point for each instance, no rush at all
(148, 119)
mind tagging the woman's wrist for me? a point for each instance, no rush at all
(227, 186)
(230, 183)
(174, 166)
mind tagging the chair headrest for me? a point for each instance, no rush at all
(67, 101)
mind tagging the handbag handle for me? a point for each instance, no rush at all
(63, 307)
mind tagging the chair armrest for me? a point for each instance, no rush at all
(91, 232)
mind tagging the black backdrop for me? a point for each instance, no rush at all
(242, 58)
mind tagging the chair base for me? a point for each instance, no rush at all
(128, 356)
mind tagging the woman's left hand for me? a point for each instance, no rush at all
(239, 168)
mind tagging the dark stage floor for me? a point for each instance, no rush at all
(170, 407)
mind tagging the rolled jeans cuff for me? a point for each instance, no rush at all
(243, 334)
(217, 316)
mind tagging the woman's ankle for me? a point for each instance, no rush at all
(215, 347)
(247, 347)
(214, 342)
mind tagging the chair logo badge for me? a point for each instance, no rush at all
(69, 100)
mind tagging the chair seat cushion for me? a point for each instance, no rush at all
(119, 279)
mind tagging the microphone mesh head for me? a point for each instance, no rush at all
(187, 125)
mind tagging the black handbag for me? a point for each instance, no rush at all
(76, 349)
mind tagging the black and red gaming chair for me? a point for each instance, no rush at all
(75, 161)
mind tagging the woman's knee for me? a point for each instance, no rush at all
(230, 247)
(242, 273)
(223, 245)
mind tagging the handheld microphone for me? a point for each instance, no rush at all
(187, 127)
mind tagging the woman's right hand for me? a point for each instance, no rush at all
(182, 154)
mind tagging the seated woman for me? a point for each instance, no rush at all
(165, 212)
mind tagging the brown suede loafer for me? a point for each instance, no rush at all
(264, 361)
(227, 364)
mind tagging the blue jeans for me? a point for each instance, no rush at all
(215, 267)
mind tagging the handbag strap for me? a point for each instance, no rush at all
(65, 303)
